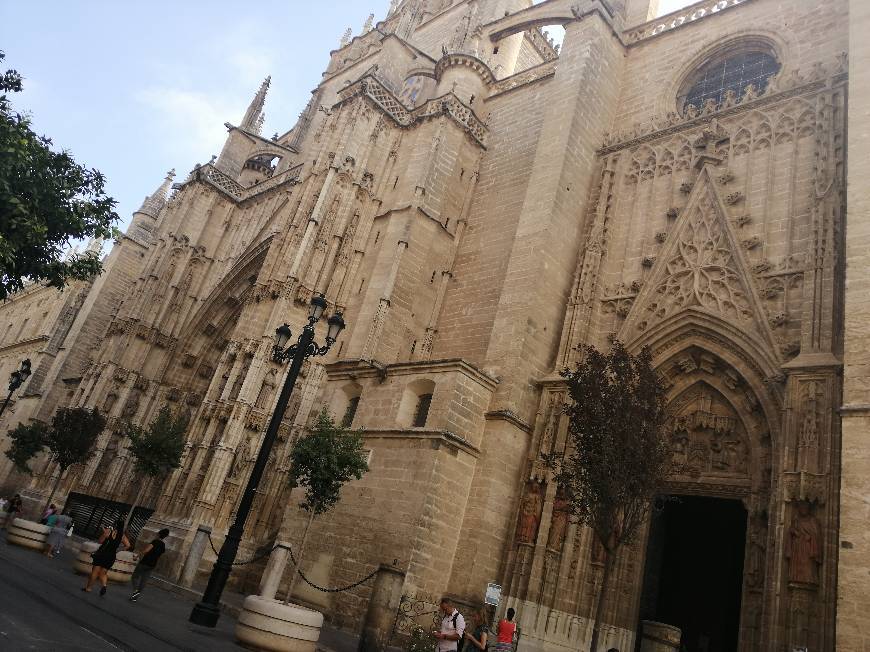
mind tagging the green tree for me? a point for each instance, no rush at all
(617, 461)
(26, 440)
(46, 200)
(69, 440)
(156, 450)
(323, 461)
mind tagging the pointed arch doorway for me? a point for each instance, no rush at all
(693, 576)
(707, 552)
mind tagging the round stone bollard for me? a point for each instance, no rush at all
(28, 534)
(659, 637)
(271, 625)
(121, 571)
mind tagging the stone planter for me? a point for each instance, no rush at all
(265, 624)
(121, 570)
(26, 533)
(659, 637)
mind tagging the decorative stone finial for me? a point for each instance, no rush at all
(252, 115)
(367, 27)
(154, 202)
(345, 38)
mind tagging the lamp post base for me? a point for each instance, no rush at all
(205, 614)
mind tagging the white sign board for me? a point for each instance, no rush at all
(493, 594)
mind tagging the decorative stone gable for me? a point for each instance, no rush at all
(702, 267)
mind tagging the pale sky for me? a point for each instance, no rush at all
(136, 88)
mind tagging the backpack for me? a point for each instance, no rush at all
(461, 641)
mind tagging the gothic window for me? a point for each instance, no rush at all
(733, 72)
(411, 92)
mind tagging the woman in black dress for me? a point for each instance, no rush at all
(111, 539)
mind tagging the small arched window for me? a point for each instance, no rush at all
(350, 412)
(415, 404)
(732, 72)
(345, 403)
(421, 412)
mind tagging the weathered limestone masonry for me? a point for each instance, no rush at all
(853, 588)
(480, 204)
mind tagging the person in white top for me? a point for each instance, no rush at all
(452, 627)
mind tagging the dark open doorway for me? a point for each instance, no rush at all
(693, 578)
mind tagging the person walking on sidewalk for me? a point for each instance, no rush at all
(111, 539)
(147, 563)
(58, 535)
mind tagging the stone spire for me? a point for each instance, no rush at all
(252, 115)
(153, 203)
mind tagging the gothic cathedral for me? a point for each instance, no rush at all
(480, 202)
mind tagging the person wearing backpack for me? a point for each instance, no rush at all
(452, 628)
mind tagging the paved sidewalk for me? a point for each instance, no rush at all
(69, 619)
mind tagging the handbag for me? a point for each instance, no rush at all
(70, 531)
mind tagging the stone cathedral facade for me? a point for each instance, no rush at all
(480, 203)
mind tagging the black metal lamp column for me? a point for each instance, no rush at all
(16, 379)
(207, 611)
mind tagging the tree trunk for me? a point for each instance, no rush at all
(602, 594)
(298, 559)
(60, 473)
(136, 502)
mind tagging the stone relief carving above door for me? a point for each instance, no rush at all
(707, 436)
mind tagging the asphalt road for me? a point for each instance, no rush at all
(25, 624)
(43, 608)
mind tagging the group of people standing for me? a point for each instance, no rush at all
(454, 636)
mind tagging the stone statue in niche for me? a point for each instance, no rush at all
(757, 552)
(559, 522)
(530, 513)
(239, 461)
(803, 547)
(267, 390)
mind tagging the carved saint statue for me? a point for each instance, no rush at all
(559, 523)
(803, 547)
(530, 513)
(757, 552)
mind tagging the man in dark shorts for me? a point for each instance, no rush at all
(147, 563)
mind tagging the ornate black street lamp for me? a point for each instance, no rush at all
(16, 380)
(207, 611)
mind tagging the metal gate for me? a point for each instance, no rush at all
(91, 514)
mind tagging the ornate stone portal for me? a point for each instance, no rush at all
(515, 202)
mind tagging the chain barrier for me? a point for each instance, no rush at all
(298, 570)
(242, 563)
(324, 589)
